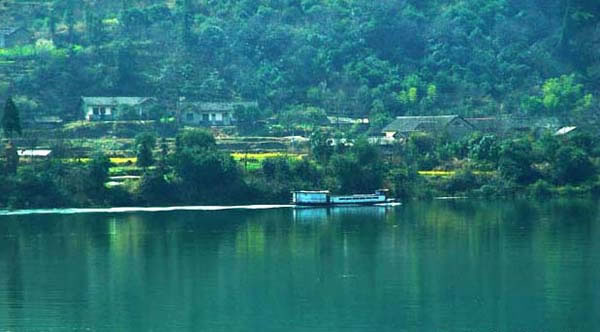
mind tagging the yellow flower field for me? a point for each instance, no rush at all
(436, 173)
(264, 155)
(119, 161)
(451, 173)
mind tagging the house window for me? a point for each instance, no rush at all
(205, 117)
(96, 110)
(189, 116)
(213, 117)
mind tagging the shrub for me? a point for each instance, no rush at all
(540, 188)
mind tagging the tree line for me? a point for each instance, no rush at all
(358, 58)
(196, 171)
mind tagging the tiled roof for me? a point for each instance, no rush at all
(564, 131)
(113, 101)
(419, 123)
(203, 106)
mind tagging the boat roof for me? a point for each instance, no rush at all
(311, 191)
(357, 195)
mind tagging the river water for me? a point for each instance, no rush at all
(422, 266)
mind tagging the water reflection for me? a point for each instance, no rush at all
(317, 214)
(456, 265)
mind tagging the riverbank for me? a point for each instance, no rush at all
(196, 171)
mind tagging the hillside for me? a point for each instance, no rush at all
(358, 58)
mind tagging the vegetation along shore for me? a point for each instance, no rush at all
(208, 102)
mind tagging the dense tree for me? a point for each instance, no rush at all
(353, 57)
(155, 190)
(484, 148)
(246, 118)
(320, 146)
(361, 170)
(144, 143)
(12, 159)
(572, 165)
(97, 175)
(516, 162)
(11, 122)
(205, 172)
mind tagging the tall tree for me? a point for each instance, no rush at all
(145, 142)
(10, 119)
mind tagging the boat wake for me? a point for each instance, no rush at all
(140, 209)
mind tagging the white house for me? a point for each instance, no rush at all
(107, 108)
(210, 113)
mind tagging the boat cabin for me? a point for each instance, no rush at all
(324, 198)
(311, 197)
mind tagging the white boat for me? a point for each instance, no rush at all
(324, 198)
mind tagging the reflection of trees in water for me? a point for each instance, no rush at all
(11, 277)
(502, 249)
(438, 264)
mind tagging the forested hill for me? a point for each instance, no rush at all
(358, 57)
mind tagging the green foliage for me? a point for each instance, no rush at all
(12, 159)
(571, 166)
(360, 170)
(547, 146)
(516, 162)
(303, 60)
(406, 183)
(563, 95)
(11, 122)
(205, 172)
(195, 139)
(421, 150)
(246, 118)
(155, 190)
(484, 149)
(98, 173)
(461, 182)
(144, 143)
(462, 57)
(541, 189)
(320, 146)
(309, 116)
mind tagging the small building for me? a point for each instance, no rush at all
(210, 113)
(453, 125)
(46, 122)
(34, 153)
(13, 36)
(346, 121)
(113, 108)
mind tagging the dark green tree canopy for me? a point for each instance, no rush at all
(11, 123)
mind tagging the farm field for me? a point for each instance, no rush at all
(253, 161)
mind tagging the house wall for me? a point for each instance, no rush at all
(98, 112)
(216, 118)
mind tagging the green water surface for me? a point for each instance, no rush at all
(422, 266)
